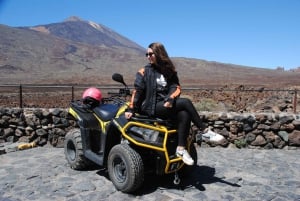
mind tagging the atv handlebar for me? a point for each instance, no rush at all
(122, 92)
(118, 98)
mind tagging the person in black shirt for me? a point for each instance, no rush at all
(156, 93)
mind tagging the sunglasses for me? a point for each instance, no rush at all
(149, 54)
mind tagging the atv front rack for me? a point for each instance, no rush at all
(153, 134)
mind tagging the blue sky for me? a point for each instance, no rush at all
(257, 33)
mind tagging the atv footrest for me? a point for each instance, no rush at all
(94, 157)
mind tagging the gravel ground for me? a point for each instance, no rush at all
(42, 173)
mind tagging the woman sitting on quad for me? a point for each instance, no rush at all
(156, 93)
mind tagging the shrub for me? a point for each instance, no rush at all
(206, 104)
(240, 143)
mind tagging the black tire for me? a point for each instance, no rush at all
(74, 152)
(125, 168)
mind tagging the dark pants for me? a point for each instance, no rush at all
(184, 113)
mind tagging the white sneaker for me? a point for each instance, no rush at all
(212, 136)
(185, 156)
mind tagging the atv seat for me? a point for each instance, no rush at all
(87, 118)
(106, 111)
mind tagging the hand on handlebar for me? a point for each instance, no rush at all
(128, 115)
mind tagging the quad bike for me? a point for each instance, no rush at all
(127, 148)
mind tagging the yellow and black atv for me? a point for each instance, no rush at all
(127, 148)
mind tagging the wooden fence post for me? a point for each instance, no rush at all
(295, 101)
(72, 93)
(20, 96)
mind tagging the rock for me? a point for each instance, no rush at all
(278, 142)
(8, 132)
(247, 127)
(286, 119)
(269, 146)
(259, 141)
(284, 135)
(263, 127)
(261, 117)
(250, 137)
(276, 109)
(287, 127)
(41, 132)
(269, 136)
(296, 123)
(294, 138)
(275, 126)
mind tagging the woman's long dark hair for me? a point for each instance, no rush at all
(163, 62)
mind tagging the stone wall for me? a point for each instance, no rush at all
(49, 126)
(260, 130)
(41, 126)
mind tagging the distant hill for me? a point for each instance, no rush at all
(83, 52)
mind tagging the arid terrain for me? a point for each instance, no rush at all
(37, 61)
(215, 99)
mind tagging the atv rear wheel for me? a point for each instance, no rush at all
(74, 152)
(125, 168)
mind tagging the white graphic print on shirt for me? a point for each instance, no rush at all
(161, 81)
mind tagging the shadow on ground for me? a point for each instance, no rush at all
(191, 177)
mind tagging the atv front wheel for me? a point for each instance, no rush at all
(125, 168)
(74, 152)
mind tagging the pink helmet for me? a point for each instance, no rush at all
(92, 92)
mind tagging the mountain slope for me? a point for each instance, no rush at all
(87, 32)
(43, 55)
(83, 52)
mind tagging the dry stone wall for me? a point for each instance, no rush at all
(262, 130)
